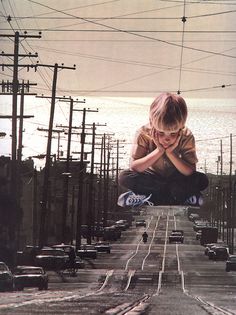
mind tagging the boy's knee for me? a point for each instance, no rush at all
(123, 178)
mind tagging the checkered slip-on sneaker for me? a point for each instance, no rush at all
(195, 200)
(130, 199)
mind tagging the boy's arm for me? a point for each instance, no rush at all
(182, 166)
(142, 159)
(146, 161)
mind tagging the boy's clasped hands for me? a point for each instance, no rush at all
(170, 148)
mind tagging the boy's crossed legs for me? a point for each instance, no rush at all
(174, 190)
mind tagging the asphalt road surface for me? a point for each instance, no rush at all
(137, 278)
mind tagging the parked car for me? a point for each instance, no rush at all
(87, 251)
(96, 230)
(231, 263)
(219, 253)
(111, 233)
(52, 259)
(6, 278)
(79, 263)
(122, 224)
(199, 224)
(208, 248)
(103, 247)
(30, 277)
(27, 256)
(140, 222)
(176, 236)
(193, 217)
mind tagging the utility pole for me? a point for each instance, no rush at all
(14, 183)
(221, 159)
(81, 180)
(35, 208)
(91, 190)
(43, 233)
(67, 172)
(232, 215)
(15, 90)
(106, 161)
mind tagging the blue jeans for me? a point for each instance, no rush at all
(174, 189)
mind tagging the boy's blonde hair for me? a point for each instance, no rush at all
(168, 112)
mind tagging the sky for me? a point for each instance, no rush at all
(134, 48)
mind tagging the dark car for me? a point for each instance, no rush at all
(193, 216)
(103, 247)
(208, 247)
(27, 256)
(140, 222)
(6, 278)
(176, 236)
(52, 259)
(30, 277)
(199, 224)
(231, 263)
(87, 251)
(78, 263)
(111, 233)
(218, 253)
(97, 231)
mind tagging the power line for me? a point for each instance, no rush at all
(134, 62)
(130, 32)
(119, 17)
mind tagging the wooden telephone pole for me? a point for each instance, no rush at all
(67, 170)
(14, 182)
(43, 232)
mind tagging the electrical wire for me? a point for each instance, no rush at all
(131, 32)
(102, 18)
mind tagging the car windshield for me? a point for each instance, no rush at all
(48, 252)
(28, 271)
(65, 248)
(233, 258)
(88, 247)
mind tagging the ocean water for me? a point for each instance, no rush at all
(211, 120)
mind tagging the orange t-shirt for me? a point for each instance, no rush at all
(143, 145)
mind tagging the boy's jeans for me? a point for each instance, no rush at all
(175, 189)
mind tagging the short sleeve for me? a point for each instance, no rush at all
(142, 144)
(188, 148)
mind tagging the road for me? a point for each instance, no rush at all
(136, 278)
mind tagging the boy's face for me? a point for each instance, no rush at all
(167, 138)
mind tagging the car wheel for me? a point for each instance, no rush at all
(44, 287)
(227, 269)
